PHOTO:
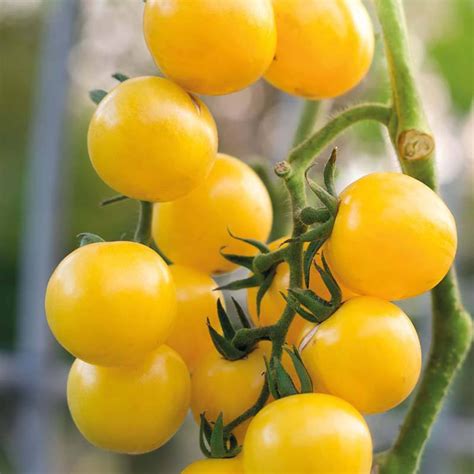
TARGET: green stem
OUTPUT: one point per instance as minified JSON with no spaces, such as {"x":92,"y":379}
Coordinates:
{"x":303,"y":154}
{"x":265,"y":261}
{"x":307,"y":121}
{"x":452,"y":331}
{"x":143,"y":230}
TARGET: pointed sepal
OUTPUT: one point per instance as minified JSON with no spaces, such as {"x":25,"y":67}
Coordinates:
{"x":308,"y":259}
{"x":97,"y":95}
{"x":120,"y":77}
{"x":86,"y":238}
{"x":213,"y":440}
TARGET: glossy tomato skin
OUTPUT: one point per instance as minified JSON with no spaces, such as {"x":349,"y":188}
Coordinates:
{"x":393,"y":237}
{"x":273,"y":304}
{"x":324,"y":48}
{"x":211,"y":47}
{"x":367,"y":353}
{"x":110,"y":303}
{"x":150,"y":140}
{"x":192,"y":230}
{"x":197,"y":301}
{"x":130,"y":410}
{"x":216,"y":466}
{"x":230,"y":387}
{"x":308,"y":434}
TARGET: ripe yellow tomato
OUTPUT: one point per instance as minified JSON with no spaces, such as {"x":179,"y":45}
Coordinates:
{"x":130,"y":409}
{"x":273,"y":304}
{"x":231,"y":387}
{"x":367,"y":353}
{"x":110,"y":303}
{"x":216,"y":466}
{"x":211,"y":47}
{"x":324,"y":48}
{"x":308,"y":434}
{"x":150,"y":140}
{"x":196,"y":303}
{"x":192,"y":230}
{"x":393,"y":237}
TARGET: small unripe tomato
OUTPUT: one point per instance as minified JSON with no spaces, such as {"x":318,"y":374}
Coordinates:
{"x":393,"y":237}
{"x":367,"y":353}
{"x":308,"y":434}
{"x":192,"y":230}
{"x":216,"y":466}
{"x":130,"y":409}
{"x":197,"y":301}
{"x":211,"y":47}
{"x":150,"y":140}
{"x":273,"y":304}
{"x":231,"y":387}
{"x":111,"y":303}
{"x":324,"y":47}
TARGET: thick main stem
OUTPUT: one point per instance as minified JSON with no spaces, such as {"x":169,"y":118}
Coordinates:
{"x":451,"y":323}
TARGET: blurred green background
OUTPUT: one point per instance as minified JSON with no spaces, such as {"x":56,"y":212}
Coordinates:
{"x":91,"y":39}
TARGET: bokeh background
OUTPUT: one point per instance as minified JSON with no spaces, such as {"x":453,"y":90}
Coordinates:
{"x":52,"y":52}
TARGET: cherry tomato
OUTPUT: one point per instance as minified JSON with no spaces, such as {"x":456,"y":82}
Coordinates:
{"x":211,"y":47}
{"x":324,"y":48}
{"x":273,"y":304}
{"x":192,"y":230}
{"x":367,"y":353}
{"x":110,"y":303}
{"x":150,"y":140}
{"x":308,"y":434}
{"x":230,"y":387}
{"x":393,"y":237}
{"x":197,"y":301}
{"x":216,"y":466}
{"x":130,"y":409}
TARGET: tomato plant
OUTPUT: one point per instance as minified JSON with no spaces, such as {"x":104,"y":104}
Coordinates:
{"x":367,"y":353}
{"x":133,"y":159}
{"x":204,"y":45}
{"x":123,"y":308}
{"x":308,"y":433}
{"x":100,"y":291}
{"x":130,"y":409}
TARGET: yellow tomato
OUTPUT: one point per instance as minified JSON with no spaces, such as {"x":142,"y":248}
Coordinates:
{"x":110,"y":303}
{"x":215,"y":466}
{"x":393,"y":237}
{"x":192,"y":230}
{"x":308,"y":434}
{"x":324,"y":47}
{"x":196,"y":303}
{"x":130,"y":409}
{"x":273,"y":304}
{"x":367,"y":353}
{"x":150,"y":140}
{"x":231,"y":387}
{"x":211,"y":47}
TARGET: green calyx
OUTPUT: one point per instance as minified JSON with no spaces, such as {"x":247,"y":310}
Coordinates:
{"x":280,"y":383}
{"x":232,"y":344}
{"x":214,"y":441}
{"x":86,"y":238}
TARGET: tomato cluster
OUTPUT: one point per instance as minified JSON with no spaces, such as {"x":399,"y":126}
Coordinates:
{"x":143,"y":330}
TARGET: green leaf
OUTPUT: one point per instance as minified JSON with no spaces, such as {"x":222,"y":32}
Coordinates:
{"x":225,"y":348}
{"x":97,"y":95}
{"x":329,"y":173}
{"x":86,"y":238}
{"x":120,"y":77}
{"x":249,"y":282}
{"x":265,"y":285}
{"x":226,"y":325}
{"x":218,"y":448}
{"x":305,"y":380}
{"x":244,"y":319}
{"x":308,"y":258}
{"x":241,"y":260}
{"x":255,"y":243}
{"x":285,"y":385}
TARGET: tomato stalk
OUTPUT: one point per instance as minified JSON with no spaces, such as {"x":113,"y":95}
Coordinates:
{"x":452,"y":327}
{"x":143,"y":230}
